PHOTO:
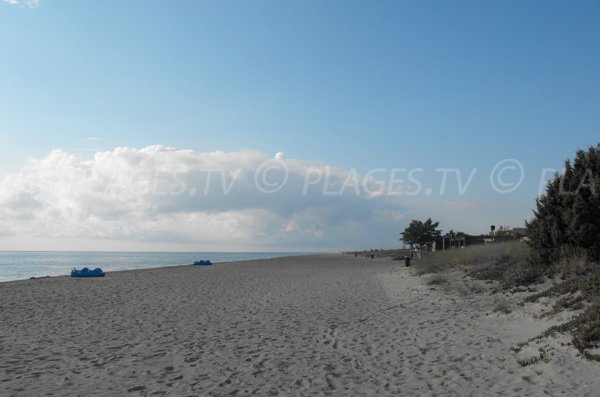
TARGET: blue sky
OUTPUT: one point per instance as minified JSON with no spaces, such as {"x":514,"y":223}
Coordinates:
{"x":354,"y":84}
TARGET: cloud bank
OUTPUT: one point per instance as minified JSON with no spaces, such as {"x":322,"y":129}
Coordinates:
{"x":164,"y":198}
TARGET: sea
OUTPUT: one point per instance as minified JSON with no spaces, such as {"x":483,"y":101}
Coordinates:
{"x":26,"y":264}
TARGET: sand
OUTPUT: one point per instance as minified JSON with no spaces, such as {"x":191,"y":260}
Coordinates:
{"x":319,"y":325}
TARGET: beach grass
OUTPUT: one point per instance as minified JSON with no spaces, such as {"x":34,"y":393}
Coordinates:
{"x":506,"y":262}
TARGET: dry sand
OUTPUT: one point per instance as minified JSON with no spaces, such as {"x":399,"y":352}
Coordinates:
{"x":320,"y":325}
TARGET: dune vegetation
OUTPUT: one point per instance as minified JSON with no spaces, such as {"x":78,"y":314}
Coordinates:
{"x":563,"y":244}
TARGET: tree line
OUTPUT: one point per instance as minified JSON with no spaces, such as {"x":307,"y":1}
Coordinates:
{"x":565,"y":221}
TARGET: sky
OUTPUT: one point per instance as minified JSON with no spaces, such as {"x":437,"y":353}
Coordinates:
{"x":266,"y":126}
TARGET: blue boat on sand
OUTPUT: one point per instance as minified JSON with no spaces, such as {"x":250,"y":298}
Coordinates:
{"x":203,"y":263}
{"x":85,"y":272}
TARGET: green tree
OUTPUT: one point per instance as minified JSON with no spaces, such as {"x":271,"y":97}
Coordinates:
{"x":567,"y":216}
{"x":420,"y":234}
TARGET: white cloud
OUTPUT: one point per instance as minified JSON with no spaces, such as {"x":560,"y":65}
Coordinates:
{"x":188,"y":199}
{"x":24,"y":3}
{"x":162,"y":198}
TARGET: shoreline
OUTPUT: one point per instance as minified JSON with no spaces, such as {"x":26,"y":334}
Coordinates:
{"x":324,"y":324}
{"x":244,"y":257}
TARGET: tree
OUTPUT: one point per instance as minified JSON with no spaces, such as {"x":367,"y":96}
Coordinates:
{"x":567,"y":216}
{"x":420,"y":234}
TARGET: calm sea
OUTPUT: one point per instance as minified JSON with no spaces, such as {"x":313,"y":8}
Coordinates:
{"x":23,"y":265}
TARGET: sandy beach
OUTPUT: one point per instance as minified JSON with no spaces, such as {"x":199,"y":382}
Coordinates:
{"x":300,"y":326}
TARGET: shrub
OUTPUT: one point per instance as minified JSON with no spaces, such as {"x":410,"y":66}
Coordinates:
{"x":567,"y":216}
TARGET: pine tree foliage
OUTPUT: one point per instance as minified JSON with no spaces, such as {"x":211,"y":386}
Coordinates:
{"x":567,"y":216}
